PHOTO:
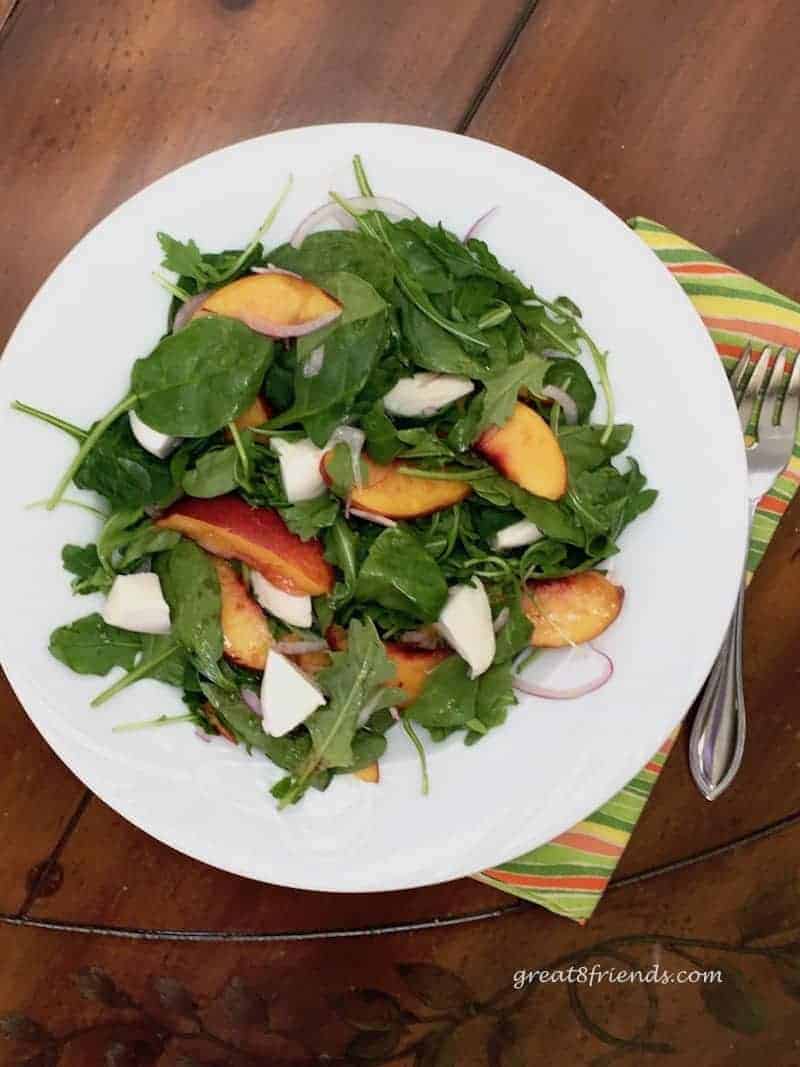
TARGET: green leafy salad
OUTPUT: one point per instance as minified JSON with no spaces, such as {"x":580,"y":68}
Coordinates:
{"x":354,"y":488}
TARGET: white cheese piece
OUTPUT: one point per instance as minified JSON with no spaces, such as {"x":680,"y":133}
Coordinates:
{"x":293,"y":610}
{"x":516,"y":535}
{"x":157,"y":444}
{"x":299,"y":462}
{"x":466,"y":624}
{"x":424,"y":394}
{"x":287,"y":696}
{"x":135,"y":602}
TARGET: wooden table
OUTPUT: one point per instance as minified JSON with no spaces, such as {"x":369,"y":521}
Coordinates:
{"x":116,"y":950}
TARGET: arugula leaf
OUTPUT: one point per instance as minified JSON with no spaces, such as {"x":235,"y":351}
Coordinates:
{"x":400,"y":574}
{"x":167,"y":663}
{"x":119,"y":469}
{"x":198,"y":380}
{"x":90,"y":646}
{"x":434,"y":348}
{"x":503,"y":388}
{"x":552,"y":517}
{"x":585,"y":449}
{"x":84,"y":563}
{"x":191,"y":588}
{"x":307,"y":518}
{"x":185,"y":258}
{"x":214,"y":474}
{"x":382,"y":441}
{"x":338,"y":250}
{"x":449,"y":697}
{"x":516,"y":634}
{"x":424,"y":444}
{"x":495,"y":696}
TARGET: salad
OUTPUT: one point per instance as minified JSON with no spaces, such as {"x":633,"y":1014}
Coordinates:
{"x":354,"y":488}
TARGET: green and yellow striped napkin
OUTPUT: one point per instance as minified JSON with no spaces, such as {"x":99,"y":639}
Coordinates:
{"x":569,"y":874}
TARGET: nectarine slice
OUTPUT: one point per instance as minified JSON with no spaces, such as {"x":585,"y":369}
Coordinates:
{"x":526,"y":451}
{"x":370,"y":773}
{"x":256,"y":415}
{"x":389,"y":492}
{"x":245,"y":634}
{"x":571,"y":610}
{"x":266,"y":301}
{"x":227,"y":526}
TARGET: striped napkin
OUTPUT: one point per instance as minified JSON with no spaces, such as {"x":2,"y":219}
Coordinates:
{"x":569,"y":874}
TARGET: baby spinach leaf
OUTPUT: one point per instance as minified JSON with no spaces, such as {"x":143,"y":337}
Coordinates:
{"x":503,"y":388}
{"x":584,"y":448}
{"x":308,"y":517}
{"x":90,"y":646}
{"x":342,"y":471}
{"x":432,"y":347}
{"x":569,"y":375}
{"x":119,"y":469}
{"x":448,"y":699}
{"x":198,"y":380}
{"x":516,"y":633}
{"x":338,"y":250}
{"x":144,"y":540}
{"x":191,"y":588}
{"x":214,"y":474}
{"x":367,"y":747}
{"x":170,"y":663}
{"x":494,"y":697}
{"x":552,"y":517}
{"x":399,"y":574}
{"x":382,"y":442}
{"x":423,"y":444}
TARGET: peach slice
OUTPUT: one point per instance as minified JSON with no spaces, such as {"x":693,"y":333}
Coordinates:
{"x":389,"y":492}
{"x":227,"y":526}
{"x":246,"y":636}
{"x":256,"y":415}
{"x":370,"y":773}
{"x":273,"y":304}
{"x":526,"y":451}
{"x":571,"y":610}
{"x":412,"y":665}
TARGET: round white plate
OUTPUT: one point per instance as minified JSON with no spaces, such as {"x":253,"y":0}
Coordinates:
{"x":553,"y":762}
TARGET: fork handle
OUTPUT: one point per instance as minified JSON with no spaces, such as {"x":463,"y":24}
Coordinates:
{"x":717,"y":739}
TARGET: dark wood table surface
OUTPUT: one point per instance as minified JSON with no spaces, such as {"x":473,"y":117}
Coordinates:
{"x":115,"y":950}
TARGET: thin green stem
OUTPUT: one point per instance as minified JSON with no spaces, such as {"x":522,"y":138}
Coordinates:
{"x":138,"y":672}
{"x":241,"y":453}
{"x":345,"y":545}
{"x":601,"y":363}
{"x":262,"y":229}
{"x":89,"y":442}
{"x":415,"y":741}
{"x":51,"y":420}
{"x":457,"y":475}
{"x":73,"y":503}
{"x":174,"y":290}
{"x":148,"y":724}
{"x":361,"y":177}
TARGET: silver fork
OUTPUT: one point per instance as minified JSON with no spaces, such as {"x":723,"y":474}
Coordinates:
{"x":716,"y":742}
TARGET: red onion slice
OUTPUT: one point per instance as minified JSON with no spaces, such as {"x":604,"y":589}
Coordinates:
{"x":501,"y":620}
{"x":420,"y":639}
{"x":313,"y":365}
{"x":371,"y":516}
{"x":575,"y":691}
{"x":272,"y":269}
{"x":478,"y":224}
{"x":284,"y":330}
{"x":332,"y":212}
{"x":187,"y":309}
{"x":251,"y":699}
{"x":297,"y":648}
{"x":201,"y":735}
{"x":562,"y":397}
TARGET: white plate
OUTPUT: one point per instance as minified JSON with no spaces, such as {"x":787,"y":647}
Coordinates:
{"x":553,"y":762}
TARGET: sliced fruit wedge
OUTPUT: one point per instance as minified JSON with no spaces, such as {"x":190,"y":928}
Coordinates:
{"x":245,"y":634}
{"x":389,"y":492}
{"x":571,"y":610}
{"x":526,"y":451}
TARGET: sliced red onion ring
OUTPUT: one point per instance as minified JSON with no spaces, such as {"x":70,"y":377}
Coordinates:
{"x":272,"y":269}
{"x":332,"y":212}
{"x":420,"y":639}
{"x":297,"y":648}
{"x":187,"y":309}
{"x":313,"y":365}
{"x":201,"y":735}
{"x":478,"y":224}
{"x":354,"y":439}
{"x":575,"y":691}
{"x":562,"y":397}
{"x":371,"y":516}
{"x":284,"y":330}
{"x":251,"y":699}
{"x":395,"y":714}
{"x":501,"y":620}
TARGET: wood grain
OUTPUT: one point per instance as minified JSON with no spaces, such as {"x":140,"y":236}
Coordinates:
{"x":298,"y":1004}
{"x":128,"y":92}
